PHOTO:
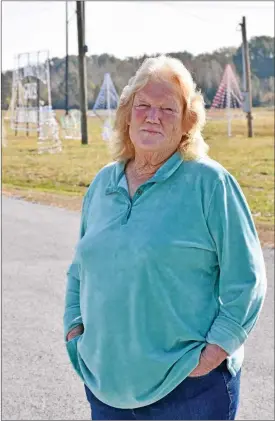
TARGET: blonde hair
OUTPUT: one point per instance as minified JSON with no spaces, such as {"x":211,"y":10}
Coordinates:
{"x":192,"y":145}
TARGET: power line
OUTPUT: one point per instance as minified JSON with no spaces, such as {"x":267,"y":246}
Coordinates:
{"x":73,"y":15}
{"x":187,"y":12}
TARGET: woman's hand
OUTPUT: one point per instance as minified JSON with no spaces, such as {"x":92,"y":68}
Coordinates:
{"x":77,"y":330}
{"x":211,"y":357}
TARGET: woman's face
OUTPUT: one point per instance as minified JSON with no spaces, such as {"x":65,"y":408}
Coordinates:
{"x":156,"y":118}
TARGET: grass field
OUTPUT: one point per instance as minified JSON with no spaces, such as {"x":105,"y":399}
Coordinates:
{"x":61,"y":179}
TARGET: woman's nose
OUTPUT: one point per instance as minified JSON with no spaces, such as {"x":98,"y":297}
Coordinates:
{"x":153,"y":114}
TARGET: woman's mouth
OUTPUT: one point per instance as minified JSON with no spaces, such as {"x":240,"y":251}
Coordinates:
{"x":151,"y":131}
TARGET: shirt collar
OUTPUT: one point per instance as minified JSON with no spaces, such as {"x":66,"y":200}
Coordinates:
{"x":162,"y":174}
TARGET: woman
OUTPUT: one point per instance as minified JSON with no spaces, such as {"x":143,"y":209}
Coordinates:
{"x":168,"y":277}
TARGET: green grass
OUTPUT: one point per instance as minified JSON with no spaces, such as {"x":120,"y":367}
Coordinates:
{"x":250,"y":160}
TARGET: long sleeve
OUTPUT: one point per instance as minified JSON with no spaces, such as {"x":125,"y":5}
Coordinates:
{"x":72,"y":315}
{"x":242,"y":275}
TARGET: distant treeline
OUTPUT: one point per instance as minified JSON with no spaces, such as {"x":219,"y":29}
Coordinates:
{"x":207,"y":70}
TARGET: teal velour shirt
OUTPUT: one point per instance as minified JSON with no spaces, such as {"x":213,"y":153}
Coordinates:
{"x":156,"y":278}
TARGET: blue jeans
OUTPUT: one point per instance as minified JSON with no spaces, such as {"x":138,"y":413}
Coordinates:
{"x":214,"y":396}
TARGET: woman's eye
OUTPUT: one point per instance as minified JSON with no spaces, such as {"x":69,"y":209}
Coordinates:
{"x":142,"y":106}
{"x":167,"y":110}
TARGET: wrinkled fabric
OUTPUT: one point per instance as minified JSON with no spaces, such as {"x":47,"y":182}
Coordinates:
{"x":214,"y":396}
{"x":156,"y":278}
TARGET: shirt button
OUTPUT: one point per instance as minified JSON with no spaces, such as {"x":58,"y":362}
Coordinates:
{"x":139,"y":191}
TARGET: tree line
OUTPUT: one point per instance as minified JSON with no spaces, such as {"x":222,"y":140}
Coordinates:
{"x":207,"y":70}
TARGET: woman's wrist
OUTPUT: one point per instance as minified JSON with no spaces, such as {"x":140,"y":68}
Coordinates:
{"x":213,"y":355}
{"x":77,"y":330}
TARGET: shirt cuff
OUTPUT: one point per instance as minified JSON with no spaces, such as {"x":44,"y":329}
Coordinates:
{"x":226,"y":333}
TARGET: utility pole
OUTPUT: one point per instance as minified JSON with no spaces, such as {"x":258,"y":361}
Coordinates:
{"x":67,"y":65}
{"x":82,"y":50}
{"x":247,"y":79}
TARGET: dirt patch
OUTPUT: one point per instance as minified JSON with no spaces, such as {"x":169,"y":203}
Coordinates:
{"x":266,"y":234}
{"x":265,"y":231}
{"x":68,"y":202}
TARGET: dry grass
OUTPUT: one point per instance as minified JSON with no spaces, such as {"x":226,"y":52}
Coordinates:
{"x":61,"y":179}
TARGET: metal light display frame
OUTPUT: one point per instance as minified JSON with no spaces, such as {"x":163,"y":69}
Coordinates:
{"x":71,"y":125}
{"x":31,"y":102}
{"x":49,"y":140}
{"x":105,"y":106}
{"x":30,"y":90}
{"x":3,"y":136}
{"x":228,"y":97}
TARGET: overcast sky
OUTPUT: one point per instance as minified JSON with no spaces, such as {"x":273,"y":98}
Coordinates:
{"x":131,"y":28}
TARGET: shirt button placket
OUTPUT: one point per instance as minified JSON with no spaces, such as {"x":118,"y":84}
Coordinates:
{"x":127,"y":215}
